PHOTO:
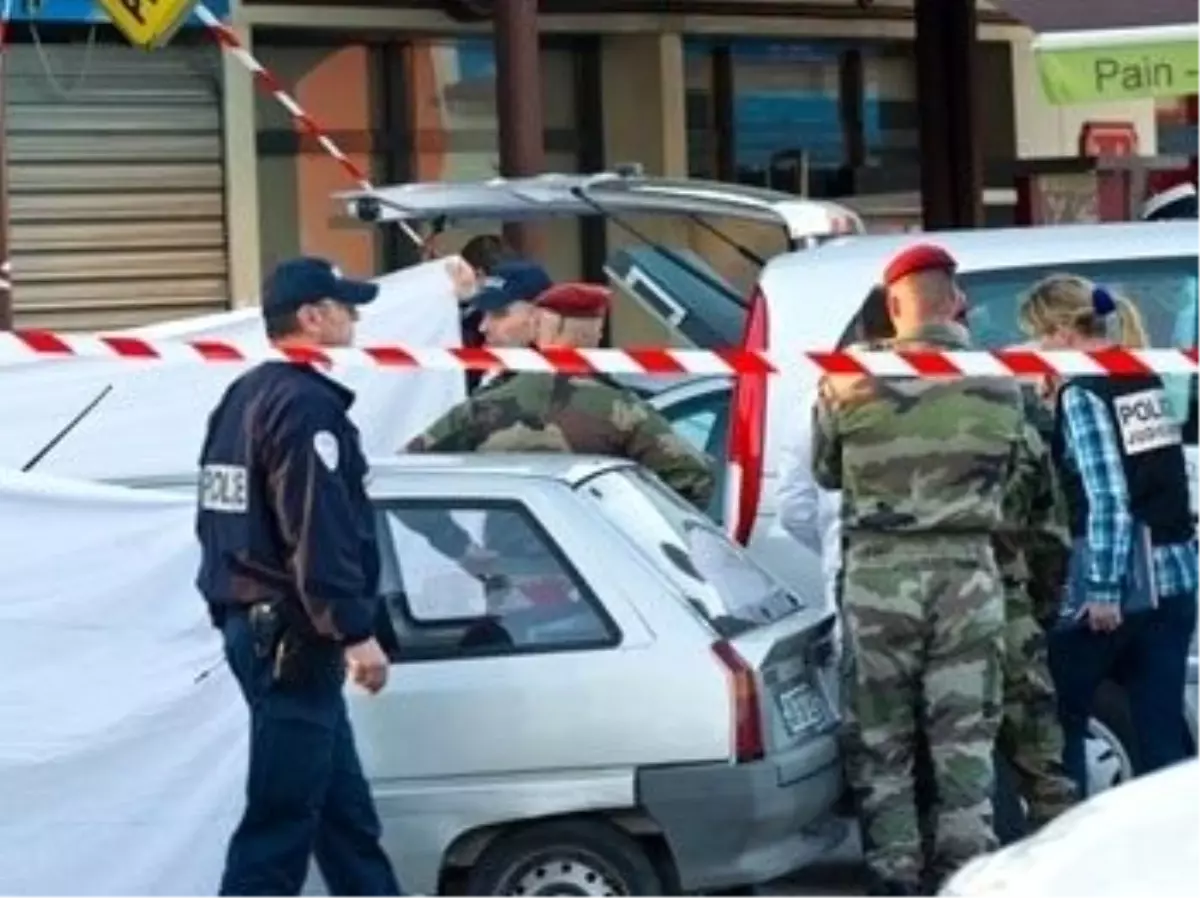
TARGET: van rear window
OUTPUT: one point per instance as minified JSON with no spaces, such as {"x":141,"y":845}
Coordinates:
{"x":721,"y":581}
{"x":1164,"y":291}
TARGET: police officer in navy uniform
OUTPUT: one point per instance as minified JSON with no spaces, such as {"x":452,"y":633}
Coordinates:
{"x":1118,"y":446}
{"x":289,"y":569}
{"x":505,"y":305}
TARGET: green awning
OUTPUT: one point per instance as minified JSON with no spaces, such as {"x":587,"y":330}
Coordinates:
{"x":1125,"y":64}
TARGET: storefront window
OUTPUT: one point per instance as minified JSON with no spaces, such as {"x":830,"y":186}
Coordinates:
{"x":452,"y":98}
{"x":786,"y":122}
{"x":1175,"y":118}
{"x":890,"y":112}
{"x":785,"y":112}
{"x":701,"y":123}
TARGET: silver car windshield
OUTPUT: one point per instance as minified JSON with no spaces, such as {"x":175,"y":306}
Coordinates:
{"x":731,"y":591}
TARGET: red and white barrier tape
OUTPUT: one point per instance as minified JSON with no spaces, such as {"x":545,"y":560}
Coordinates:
{"x":31,"y":345}
{"x":232,"y":44}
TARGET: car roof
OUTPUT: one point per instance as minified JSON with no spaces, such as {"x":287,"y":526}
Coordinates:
{"x":999,"y":248}
{"x":812,"y":295}
{"x":562,"y":467}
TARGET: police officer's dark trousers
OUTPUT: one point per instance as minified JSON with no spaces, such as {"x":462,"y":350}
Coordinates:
{"x":1147,"y":655}
{"x":305,"y":794}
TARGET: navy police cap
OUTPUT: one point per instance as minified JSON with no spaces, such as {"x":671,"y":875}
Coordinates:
{"x":307,"y":280}
{"x":510,"y":282}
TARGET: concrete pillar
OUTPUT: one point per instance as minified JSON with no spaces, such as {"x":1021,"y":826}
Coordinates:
{"x":644,"y":102}
{"x":241,"y":174}
{"x":951,"y":170}
{"x":519,"y":101}
{"x":645,"y":122}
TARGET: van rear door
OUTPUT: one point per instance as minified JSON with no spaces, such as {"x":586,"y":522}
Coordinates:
{"x":676,"y":287}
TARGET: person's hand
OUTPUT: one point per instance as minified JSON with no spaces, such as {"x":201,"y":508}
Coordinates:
{"x":367,"y":665}
{"x":481,"y":563}
{"x":463,"y":278}
{"x":1102,"y":617}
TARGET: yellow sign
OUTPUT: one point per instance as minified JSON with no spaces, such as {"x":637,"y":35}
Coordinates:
{"x":148,"y":23}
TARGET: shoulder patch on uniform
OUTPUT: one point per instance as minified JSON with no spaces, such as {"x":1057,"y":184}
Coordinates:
{"x":223,"y":489}
{"x":1146,"y":422}
{"x":325,"y":444}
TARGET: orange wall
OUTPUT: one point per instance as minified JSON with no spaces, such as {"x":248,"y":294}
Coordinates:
{"x":336,"y":93}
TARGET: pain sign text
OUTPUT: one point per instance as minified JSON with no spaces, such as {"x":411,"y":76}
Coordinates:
{"x":1119,"y":72}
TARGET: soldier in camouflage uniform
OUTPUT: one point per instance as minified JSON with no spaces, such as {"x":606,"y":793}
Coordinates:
{"x":536,"y":412}
{"x":922,"y":466}
{"x":586,"y":414}
{"x":1031,"y":738}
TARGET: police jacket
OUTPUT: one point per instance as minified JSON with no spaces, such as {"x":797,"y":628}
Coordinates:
{"x":282,"y":508}
{"x":1150,"y":442}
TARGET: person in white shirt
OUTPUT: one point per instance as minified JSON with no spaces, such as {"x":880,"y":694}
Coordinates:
{"x":808,"y":513}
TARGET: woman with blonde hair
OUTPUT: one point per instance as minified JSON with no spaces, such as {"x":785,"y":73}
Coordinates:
{"x":1130,"y":607}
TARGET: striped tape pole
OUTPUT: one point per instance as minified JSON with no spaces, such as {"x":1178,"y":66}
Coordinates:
{"x":23,"y":346}
{"x":232,"y":44}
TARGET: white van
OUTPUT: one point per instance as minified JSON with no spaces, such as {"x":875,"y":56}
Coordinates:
{"x":808,"y":298}
{"x":810,"y":301}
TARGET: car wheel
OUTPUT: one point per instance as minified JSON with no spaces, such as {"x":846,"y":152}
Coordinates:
{"x":576,"y":857}
{"x":1110,"y":746}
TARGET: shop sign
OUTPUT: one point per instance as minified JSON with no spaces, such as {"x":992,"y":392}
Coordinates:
{"x":148,"y":24}
{"x":1108,"y":139}
{"x":1111,"y":69}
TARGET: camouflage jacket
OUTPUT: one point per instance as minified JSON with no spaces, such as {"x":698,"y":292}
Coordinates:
{"x":534,"y":412}
{"x":914,"y":455}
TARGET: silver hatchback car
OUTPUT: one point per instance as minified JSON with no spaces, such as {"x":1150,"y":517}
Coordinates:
{"x":608,"y":697}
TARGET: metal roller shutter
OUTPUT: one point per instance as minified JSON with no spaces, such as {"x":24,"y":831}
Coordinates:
{"x":116,"y":180}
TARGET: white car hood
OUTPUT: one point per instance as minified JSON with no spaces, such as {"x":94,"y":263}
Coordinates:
{"x":1140,"y":838}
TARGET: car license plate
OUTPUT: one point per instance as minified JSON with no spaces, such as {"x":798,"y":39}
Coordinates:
{"x":803,"y":709}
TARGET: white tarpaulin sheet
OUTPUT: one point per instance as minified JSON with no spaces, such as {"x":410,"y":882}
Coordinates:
{"x":123,"y":735}
{"x":152,"y":421}
{"x":121,"y":766}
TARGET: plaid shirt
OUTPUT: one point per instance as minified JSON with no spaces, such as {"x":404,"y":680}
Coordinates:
{"x":1093,"y":449}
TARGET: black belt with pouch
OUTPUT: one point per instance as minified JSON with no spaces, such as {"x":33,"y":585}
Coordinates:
{"x":297,"y":654}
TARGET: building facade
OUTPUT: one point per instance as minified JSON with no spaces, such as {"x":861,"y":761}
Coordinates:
{"x":115,"y":172}
{"x":148,"y":186}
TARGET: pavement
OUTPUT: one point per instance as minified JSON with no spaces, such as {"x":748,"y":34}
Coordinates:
{"x":823,"y":879}
{"x":840,"y":872}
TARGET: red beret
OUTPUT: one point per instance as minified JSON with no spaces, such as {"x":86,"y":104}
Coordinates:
{"x":922,"y":257}
{"x":575,"y":300}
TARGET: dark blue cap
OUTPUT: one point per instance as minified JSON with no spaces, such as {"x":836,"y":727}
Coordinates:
{"x":510,"y":282}
{"x":300,"y":282}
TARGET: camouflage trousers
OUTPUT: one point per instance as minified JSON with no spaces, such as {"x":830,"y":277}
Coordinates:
{"x":924,"y":627}
{"x":1031,"y":737}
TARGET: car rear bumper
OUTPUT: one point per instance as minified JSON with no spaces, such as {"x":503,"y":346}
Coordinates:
{"x":735,"y":825}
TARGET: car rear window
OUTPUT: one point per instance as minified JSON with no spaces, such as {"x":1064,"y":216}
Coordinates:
{"x":723,"y":584}
{"x":1163,"y":289}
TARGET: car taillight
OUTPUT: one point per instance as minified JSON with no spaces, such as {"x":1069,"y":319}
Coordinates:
{"x":747,"y":432}
{"x":743,"y":696}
